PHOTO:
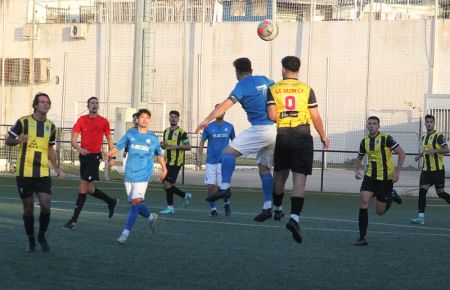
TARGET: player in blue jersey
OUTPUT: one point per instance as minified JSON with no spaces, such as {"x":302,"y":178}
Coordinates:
{"x":251,"y":92}
{"x":218,"y":134}
{"x":142,"y":145}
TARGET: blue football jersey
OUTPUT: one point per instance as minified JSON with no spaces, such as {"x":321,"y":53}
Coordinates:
{"x":251,"y":92}
{"x":218,"y":137}
{"x":142,"y":147}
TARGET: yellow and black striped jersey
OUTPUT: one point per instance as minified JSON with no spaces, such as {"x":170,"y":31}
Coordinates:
{"x":379,"y":151}
{"x":292,"y":99}
{"x":175,"y":137}
{"x":433,"y":162}
{"x":32,"y":158}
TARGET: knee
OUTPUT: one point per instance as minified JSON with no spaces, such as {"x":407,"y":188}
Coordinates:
{"x":423,"y":192}
{"x":263,"y":169}
{"x":28,"y":210}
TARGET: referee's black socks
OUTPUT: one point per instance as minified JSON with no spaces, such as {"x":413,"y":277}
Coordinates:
{"x":101,"y":195}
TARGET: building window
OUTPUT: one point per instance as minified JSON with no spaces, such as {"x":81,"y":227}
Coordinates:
{"x":56,"y":15}
{"x":17,"y":71}
{"x":260,"y":7}
{"x":238,"y":8}
{"x":87,"y":14}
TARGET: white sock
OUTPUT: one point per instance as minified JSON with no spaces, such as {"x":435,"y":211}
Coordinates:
{"x":151,"y":217}
{"x":224,"y":186}
{"x":267,"y":204}
{"x":295,"y":217}
{"x":421,"y":214}
{"x":125,"y":232}
{"x":278,"y":208}
{"x":170,"y":206}
{"x":213,"y":208}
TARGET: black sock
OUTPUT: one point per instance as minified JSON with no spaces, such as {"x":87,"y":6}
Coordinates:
{"x":169,"y":195}
{"x":296,"y":205}
{"x":78,"y":206}
{"x":28,"y":222}
{"x":44,"y":220}
{"x":388,"y":204}
{"x":101,"y":195}
{"x":363,"y":221}
{"x":178,"y":192}
{"x":445,"y":196}
{"x":277,"y":199}
{"x":422,"y":200}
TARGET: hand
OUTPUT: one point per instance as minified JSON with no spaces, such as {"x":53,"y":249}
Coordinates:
{"x":417,"y":158}
{"x":83,"y":151}
{"x":325,"y":142}
{"x":431,"y":151}
{"x":125,"y":153}
{"x":59,"y":173}
{"x":22,"y":138}
{"x":163,"y":175}
{"x":396,"y":176}
{"x":163,"y":145}
{"x":111,"y":162}
{"x":201,"y":126}
{"x":358,"y":175}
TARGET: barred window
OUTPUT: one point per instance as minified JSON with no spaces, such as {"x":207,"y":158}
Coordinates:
{"x":17,"y":71}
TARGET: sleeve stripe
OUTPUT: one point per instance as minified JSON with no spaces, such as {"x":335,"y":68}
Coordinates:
{"x":313,"y":105}
{"x":395,"y":145}
{"x":361,"y":154}
{"x":12,"y":133}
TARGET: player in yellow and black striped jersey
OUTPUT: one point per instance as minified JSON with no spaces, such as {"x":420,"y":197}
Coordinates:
{"x":434,"y":146}
{"x":380,"y":174}
{"x":293,"y":105}
{"x":35,"y":135}
{"x":175,"y":142}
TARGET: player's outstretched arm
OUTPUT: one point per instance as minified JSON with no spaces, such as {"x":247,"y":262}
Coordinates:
{"x":219,"y":110}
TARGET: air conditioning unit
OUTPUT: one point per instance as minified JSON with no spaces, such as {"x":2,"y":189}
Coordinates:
{"x":27,"y":31}
{"x":79,"y":31}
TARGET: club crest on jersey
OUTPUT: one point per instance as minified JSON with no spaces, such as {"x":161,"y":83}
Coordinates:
{"x":148,"y":141}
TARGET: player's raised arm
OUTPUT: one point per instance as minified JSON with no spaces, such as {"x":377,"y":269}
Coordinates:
{"x":219,"y":110}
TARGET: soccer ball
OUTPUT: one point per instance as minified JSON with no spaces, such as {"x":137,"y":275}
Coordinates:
{"x":267,"y":30}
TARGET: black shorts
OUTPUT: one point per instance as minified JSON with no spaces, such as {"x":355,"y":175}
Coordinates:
{"x":29,"y":185}
{"x":294,"y":150}
{"x":89,"y":166}
{"x":172,"y":173}
{"x":436,"y":178}
{"x":381,"y":189}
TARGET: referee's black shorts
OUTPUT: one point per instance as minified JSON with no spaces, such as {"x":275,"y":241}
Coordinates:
{"x":436,"y":178}
{"x":89,"y":164}
{"x":294,"y":150}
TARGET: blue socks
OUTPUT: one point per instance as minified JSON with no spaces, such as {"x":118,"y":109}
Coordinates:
{"x":132,"y":217}
{"x":228,"y":166}
{"x":267,"y":187}
{"x":143,"y":210}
